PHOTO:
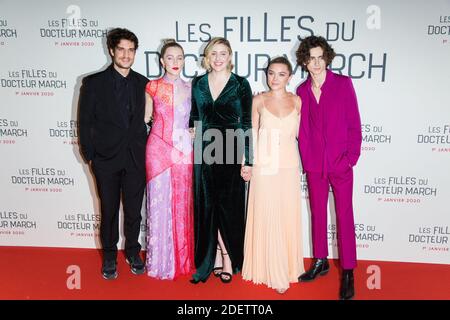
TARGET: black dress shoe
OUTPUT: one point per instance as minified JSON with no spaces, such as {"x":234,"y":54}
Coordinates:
{"x":347,"y":291}
{"x":320,"y":266}
{"x":137,"y":266}
{"x":109,"y":269}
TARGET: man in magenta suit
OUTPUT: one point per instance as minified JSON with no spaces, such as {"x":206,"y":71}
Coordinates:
{"x":330,"y":143}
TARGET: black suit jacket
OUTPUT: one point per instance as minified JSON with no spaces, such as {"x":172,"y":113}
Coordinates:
{"x":104,"y":135}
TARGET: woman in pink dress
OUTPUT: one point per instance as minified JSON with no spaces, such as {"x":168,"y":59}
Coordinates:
{"x":169,"y":170}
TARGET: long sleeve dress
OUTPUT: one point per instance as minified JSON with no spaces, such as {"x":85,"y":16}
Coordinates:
{"x":223,"y":140}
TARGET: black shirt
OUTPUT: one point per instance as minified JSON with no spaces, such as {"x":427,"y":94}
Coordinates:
{"x":123,"y":88}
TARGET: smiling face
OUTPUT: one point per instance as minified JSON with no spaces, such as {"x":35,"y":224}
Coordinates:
{"x":123,"y":54}
{"x":316,"y":64}
{"x":173,"y":61}
{"x":278,"y":76}
{"x":219,"y":57}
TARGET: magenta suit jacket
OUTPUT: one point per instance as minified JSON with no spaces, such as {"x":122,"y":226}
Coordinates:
{"x":330,"y":132}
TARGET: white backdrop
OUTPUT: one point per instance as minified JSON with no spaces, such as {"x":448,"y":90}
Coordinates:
{"x":397,"y":54}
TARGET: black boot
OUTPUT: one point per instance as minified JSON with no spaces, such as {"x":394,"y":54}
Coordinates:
{"x":320,"y":266}
{"x":347,"y":285}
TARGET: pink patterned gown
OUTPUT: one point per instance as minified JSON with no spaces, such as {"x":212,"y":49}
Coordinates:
{"x":169,"y":181}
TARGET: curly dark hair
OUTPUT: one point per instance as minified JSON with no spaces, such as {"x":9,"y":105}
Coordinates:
{"x":115,"y":35}
{"x":310,"y":42}
{"x":282,"y":60}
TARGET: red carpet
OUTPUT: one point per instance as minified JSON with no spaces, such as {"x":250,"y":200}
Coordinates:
{"x":41,"y":273}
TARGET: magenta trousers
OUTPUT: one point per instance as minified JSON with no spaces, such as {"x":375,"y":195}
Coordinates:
{"x":342,"y":186}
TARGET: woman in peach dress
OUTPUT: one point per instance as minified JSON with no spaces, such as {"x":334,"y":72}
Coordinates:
{"x":273,"y":252}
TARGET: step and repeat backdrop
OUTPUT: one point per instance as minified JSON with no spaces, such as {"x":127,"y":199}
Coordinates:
{"x":397,"y":52}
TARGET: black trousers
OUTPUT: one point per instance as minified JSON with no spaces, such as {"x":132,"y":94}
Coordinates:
{"x":130,"y":185}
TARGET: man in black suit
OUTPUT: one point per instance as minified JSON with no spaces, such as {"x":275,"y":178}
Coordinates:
{"x":113,"y":136}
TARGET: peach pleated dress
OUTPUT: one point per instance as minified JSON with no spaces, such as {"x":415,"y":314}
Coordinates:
{"x":273,"y":248}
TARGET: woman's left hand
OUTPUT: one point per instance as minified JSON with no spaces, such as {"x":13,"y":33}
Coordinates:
{"x":246,"y":173}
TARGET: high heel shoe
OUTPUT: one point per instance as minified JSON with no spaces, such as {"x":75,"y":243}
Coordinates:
{"x":228,"y":277}
{"x":225,"y":277}
{"x":219,"y":269}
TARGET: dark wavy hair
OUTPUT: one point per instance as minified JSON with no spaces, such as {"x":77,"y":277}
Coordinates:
{"x":281,"y":60}
{"x":115,"y":35}
{"x":307,"y":44}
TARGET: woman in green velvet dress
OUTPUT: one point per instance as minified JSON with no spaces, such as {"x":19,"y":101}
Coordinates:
{"x":221,"y":116}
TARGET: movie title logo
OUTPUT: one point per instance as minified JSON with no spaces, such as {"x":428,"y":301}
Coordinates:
{"x":73,"y":30}
{"x":365,"y":235}
{"x":67,"y":131}
{"x":80,"y":224}
{"x":33,"y":82}
{"x":6,"y":32}
{"x":276,"y":29}
{"x":431,"y":238}
{"x":10,"y":130}
{"x":401,"y":189}
{"x":436,"y":136}
{"x":440,"y":28}
{"x":15,"y":223}
{"x":373,"y":135}
{"x":43,"y":179}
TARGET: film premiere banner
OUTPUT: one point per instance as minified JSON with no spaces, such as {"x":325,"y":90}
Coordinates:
{"x":402,"y":184}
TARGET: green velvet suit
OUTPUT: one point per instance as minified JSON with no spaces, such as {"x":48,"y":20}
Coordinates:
{"x":219,"y":190}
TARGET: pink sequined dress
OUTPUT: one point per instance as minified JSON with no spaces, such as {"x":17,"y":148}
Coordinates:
{"x":169,"y":181}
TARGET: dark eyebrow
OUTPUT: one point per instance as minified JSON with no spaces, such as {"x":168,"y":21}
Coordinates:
{"x":119,"y":47}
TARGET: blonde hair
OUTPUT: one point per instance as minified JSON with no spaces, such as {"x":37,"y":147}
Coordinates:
{"x":208,"y":48}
